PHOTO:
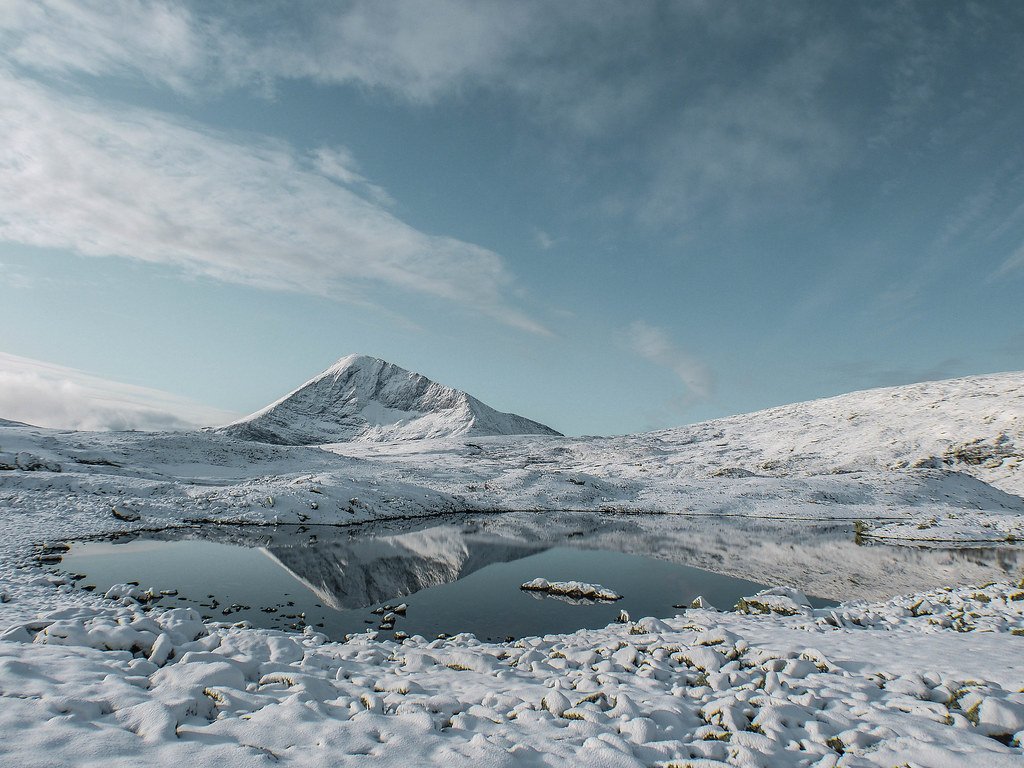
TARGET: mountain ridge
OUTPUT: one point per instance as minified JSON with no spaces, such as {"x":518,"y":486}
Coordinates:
{"x":366,"y":399}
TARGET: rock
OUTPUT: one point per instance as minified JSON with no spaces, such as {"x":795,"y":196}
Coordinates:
{"x":555,"y":702}
{"x":782,"y":600}
{"x":651,"y":625}
{"x":999,"y":717}
{"x":161,"y":649}
{"x":574,"y":589}
{"x":126,"y":513}
{"x":29,"y":462}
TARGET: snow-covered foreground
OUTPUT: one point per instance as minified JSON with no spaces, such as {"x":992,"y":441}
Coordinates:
{"x":927,"y":681}
{"x":930,"y":680}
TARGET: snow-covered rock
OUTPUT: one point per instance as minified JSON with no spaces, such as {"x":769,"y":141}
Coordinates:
{"x":574,"y":589}
{"x":782,"y":600}
{"x":365,"y":398}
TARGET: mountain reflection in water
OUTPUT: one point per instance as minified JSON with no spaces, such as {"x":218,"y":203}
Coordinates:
{"x":464,"y":575}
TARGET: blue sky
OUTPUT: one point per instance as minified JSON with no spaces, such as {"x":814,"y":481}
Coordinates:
{"x":609,"y":217}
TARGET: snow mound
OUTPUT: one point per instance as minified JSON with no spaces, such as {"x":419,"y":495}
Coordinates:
{"x":362,"y":398}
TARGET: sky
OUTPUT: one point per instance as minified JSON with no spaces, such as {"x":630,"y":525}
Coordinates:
{"x":606,"y":216}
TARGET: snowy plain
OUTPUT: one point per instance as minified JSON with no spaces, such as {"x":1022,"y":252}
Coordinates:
{"x":927,"y":679}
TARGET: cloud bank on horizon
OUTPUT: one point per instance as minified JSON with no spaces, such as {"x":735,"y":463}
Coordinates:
{"x":48,"y":395}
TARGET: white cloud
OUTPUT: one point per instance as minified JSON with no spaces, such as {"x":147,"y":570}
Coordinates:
{"x":710,"y":137}
{"x":162,"y":41}
{"x":655,"y":345}
{"x":338,"y":163}
{"x":49,"y":395}
{"x":136,"y":184}
{"x":731,"y":111}
{"x":419,"y":50}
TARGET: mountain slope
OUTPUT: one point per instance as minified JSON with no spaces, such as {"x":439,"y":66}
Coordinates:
{"x":362,"y":398}
{"x":973,"y":424}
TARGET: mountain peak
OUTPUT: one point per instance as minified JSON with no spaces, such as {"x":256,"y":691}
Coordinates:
{"x":364,"y":398}
{"x":353,"y":360}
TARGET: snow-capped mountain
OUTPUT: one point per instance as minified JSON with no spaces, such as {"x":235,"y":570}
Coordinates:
{"x":362,"y":398}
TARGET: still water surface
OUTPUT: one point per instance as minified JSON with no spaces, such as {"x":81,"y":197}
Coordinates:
{"x":451,"y":582}
{"x":464,"y":575}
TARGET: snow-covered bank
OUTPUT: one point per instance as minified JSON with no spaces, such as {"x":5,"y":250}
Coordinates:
{"x":121,"y":686}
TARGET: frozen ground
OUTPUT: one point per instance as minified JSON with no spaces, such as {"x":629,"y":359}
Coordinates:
{"x":929,"y":680}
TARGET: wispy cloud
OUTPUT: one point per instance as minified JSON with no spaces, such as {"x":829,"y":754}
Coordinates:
{"x":724,"y":137}
{"x":137,"y":184}
{"x":763,"y":148}
{"x":339,"y":164}
{"x":161,"y":41}
{"x":544,"y":241}
{"x":49,"y":395}
{"x":1013,"y":263}
{"x":655,"y":344}
{"x":417,"y":50}
{"x":734,"y":112}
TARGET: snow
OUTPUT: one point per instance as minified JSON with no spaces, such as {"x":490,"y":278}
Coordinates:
{"x":128,"y":685}
{"x":928,"y":678}
{"x":365,"y":398}
{"x":783,"y":600}
{"x":574,"y":589}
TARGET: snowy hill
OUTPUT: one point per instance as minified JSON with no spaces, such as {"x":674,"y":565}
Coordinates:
{"x":362,"y":398}
{"x":973,"y":424}
{"x":944,"y":460}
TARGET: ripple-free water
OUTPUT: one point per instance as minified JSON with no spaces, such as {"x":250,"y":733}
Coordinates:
{"x":451,"y":582}
{"x":465,"y":577}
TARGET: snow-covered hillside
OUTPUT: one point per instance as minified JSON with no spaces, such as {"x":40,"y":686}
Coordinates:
{"x":945,"y":449}
{"x":941,"y":461}
{"x":973,"y":424}
{"x":362,"y":398}
{"x":929,"y":679}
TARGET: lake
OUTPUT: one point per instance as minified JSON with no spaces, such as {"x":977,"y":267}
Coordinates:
{"x":463,"y":574}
